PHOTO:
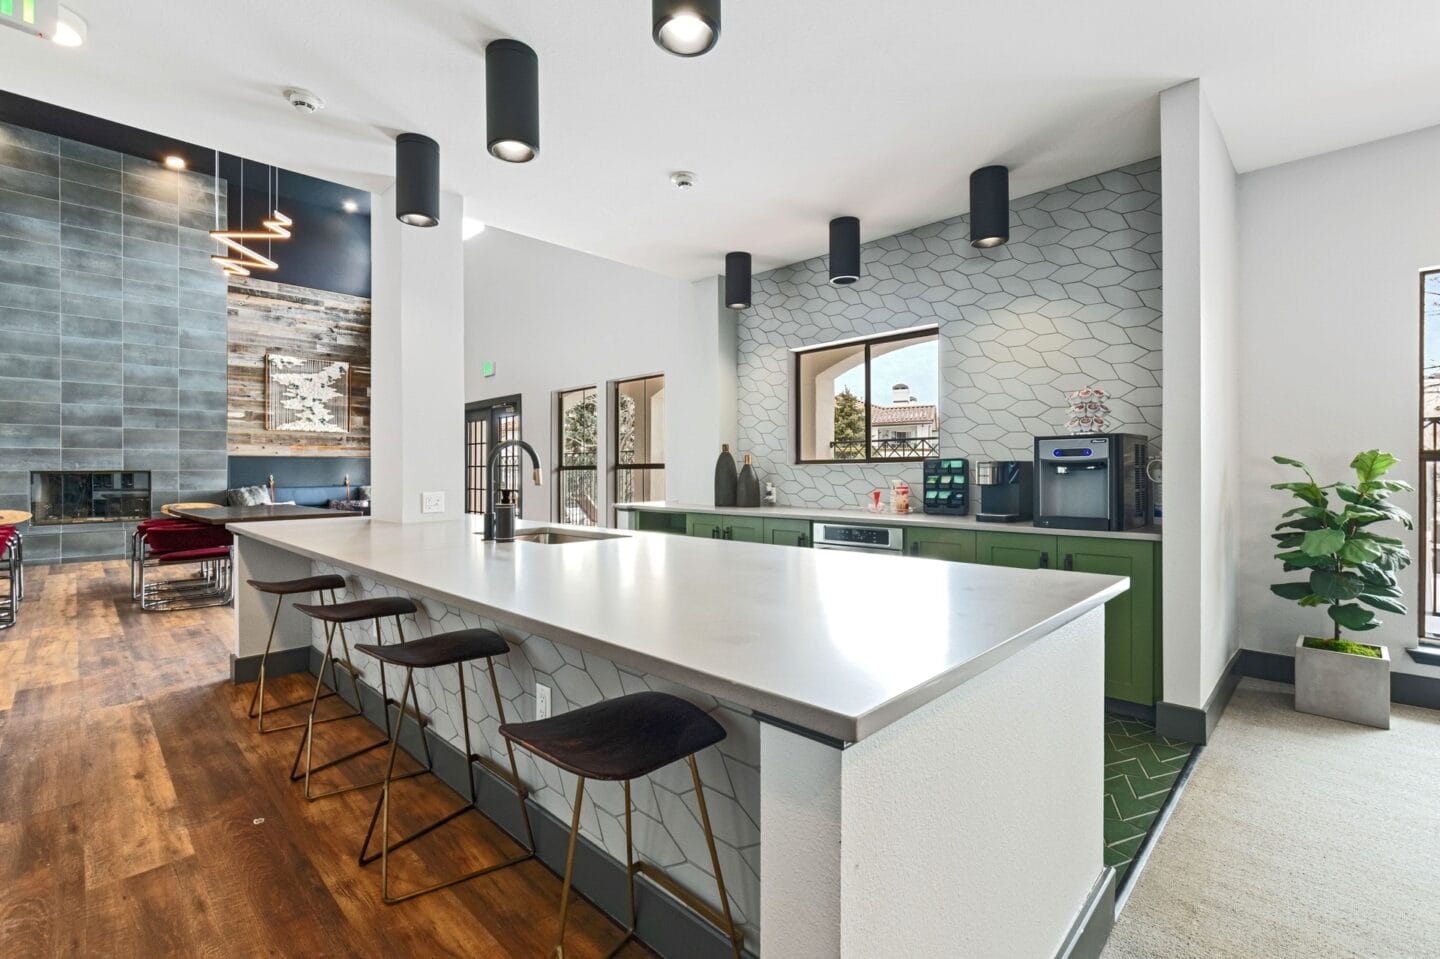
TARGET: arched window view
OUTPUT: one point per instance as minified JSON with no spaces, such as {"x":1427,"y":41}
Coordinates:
{"x":875,"y":399}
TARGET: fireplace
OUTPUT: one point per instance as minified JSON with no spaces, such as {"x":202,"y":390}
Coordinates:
{"x":59,"y":497}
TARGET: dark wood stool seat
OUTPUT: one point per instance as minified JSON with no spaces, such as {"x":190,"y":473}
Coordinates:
{"x":622,"y":738}
{"x":318,"y":585}
{"x":335,"y":615}
{"x":455,"y":648}
{"x":442,"y":649}
{"x":358,"y":609}
{"x":307,"y":584}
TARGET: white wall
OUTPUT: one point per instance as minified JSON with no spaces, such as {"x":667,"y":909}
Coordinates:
{"x":417,"y":428}
{"x":1330,"y":249}
{"x":1202,"y":462}
{"x":553,"y":318}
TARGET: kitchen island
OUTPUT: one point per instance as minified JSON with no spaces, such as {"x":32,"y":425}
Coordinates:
{"x":875,"y":711}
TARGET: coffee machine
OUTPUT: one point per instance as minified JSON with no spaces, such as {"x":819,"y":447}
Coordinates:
{"x":1006,"y":491}
{"x":1092,"y":481}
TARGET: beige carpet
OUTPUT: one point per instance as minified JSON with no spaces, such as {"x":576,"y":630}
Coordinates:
{"x":1296,"y":837}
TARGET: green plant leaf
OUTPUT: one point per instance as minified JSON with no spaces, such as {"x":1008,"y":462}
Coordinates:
{"x":1313,"y":600}
{"x":1322,"y":542}
{"x":1294,"y":559}
{"x":1291,"y":591}
{"x":1374,"y":575}
{"x":1336,"y":587}
{"x":1358,"y":550}
{"x":1287,"y":540}
{"x":1372,"y":464}
{"x":1353,"y":616}
{"x":1309,"y":492}
{"x":1383,"y":602}
{"x":1348,"y":493}
{"x":1300,"y":524}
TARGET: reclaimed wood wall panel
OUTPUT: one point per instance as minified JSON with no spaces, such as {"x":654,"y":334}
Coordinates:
{"x":269,"y":317}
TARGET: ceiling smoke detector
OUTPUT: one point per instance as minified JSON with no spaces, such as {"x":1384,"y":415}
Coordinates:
{"x":304,"y":100}
{"x":683,"y":179}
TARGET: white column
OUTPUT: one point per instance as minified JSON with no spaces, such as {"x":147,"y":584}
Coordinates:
{"x":417,"y":389}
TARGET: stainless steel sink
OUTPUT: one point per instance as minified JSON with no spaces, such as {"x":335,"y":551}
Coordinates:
{"x":558,"y":536}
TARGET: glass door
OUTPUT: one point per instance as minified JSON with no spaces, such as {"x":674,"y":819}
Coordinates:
{"x":488,"y":423}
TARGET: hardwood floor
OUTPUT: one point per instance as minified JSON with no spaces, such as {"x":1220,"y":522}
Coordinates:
{"x":142,"y":815}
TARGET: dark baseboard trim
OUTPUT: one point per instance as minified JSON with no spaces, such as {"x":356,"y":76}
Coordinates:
{"x":1408,"y":689}
{"x":665,"y":925}
{"x":246,"y":669}
{"x":1121,"y":707}
{"x":1192,"y":725}
{"x":1091,"y":929}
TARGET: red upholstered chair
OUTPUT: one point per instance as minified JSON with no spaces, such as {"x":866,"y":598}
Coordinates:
{"x":10,"y":559}
{"x":205,"y":550}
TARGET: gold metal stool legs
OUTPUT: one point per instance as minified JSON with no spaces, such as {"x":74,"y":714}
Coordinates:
{"x":381,"y":813}
{"x":721,"y":918}
{"x":257,"y":701}
{"x":307,"y":743}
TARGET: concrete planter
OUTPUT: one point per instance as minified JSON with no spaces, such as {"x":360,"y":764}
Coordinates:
{"x":1343,"y":685}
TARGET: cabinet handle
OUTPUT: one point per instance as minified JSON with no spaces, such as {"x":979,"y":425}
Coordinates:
{"x":914,"y":549}
{"x":729,"y":532}
{"x":1045,"y":560}
{"x":1069,"y":561}
{"x":803,"y":540}
{"x":715,"y":533}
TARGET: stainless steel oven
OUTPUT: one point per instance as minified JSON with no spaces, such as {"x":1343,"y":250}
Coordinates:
{"x":854,"y":538}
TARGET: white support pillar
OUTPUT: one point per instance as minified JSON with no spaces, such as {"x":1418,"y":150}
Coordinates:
{"x":417,"y":393}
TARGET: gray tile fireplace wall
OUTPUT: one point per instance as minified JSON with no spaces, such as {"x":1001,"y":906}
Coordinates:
{"x":112,"y":329}
{"x":1073,"y":300}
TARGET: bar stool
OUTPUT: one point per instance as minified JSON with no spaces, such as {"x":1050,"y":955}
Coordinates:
{"x":443,"y":649}
{"x":338,"y":614}
{"x":623,"y":738}
{"x":300,"y":587}
{"x":10,"y":558}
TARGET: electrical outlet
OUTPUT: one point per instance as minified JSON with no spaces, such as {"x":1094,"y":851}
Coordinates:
{"x":432,"y":502}
{"x":542,"y":701}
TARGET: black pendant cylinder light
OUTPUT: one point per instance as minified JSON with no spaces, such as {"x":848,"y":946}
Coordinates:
{"x":844,"y":250}
{"x":686,"y":28}
{"x":417,"y":180}
{"x":737,"y":281}
{"x":989,"y":206}
{"x":512,"y":101}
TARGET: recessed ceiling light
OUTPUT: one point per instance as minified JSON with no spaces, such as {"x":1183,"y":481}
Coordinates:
{"x":471,"y":228}
{"x":350,"y":206}
{"x":683,"y":179}
{"x":70,"y":28}
{"x":175,"y":162}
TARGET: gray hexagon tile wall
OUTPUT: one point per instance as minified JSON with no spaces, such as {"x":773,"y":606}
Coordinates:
{"x":1073,"y":300}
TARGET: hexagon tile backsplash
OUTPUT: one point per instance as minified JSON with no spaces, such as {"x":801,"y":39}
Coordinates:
{"x":1073,"y":300}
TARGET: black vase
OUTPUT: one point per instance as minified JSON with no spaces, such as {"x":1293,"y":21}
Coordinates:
{"x":747,"y":485}
{"x":725,"y":477}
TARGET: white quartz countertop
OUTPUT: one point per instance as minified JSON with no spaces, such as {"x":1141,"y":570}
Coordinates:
{"x":865,"y":517}
{"x":835,"y":642}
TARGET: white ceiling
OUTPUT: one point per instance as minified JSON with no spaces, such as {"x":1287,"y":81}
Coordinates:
{"x":805,"y":110}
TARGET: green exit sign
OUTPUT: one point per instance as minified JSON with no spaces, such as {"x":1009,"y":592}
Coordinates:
{"x":487,"y":368}
{"x":35,"y":17}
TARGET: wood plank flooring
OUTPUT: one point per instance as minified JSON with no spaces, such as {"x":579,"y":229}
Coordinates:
{"x":141,"y":814}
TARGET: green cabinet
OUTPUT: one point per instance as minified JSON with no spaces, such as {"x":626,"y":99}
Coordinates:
{"x":1018,"y":550}
{"x":1132,"y":631}
{"x":787,"y":532}
{"x":744,"y":529}
{"x":956,"y":545}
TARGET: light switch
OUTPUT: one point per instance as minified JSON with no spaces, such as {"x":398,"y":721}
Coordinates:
{"x":432,"y":502}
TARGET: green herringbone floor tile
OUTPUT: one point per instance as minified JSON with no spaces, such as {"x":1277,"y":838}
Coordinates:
{"x":1140,"y":771}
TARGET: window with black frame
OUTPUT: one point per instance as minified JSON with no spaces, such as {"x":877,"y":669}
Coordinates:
{"x":578,"y":490}
{"x":869,"y":400}
{"x":640,"y":439}
{"x":1430,"y":454}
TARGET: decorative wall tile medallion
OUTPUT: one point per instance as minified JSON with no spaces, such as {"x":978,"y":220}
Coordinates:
{"x":306,"y":396}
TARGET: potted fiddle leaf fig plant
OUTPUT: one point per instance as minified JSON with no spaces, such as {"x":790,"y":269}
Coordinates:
{"x":1350,"y":569}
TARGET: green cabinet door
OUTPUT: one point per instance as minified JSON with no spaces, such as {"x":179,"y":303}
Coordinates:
{"x":1132,"y":653}
{"x":744,"y":529}
{"x":787,"y":532}
{"x":652,"y":521}
{"x":956,"y":545}
{"x":705,"y":524}
{"x":1019,"y":550}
